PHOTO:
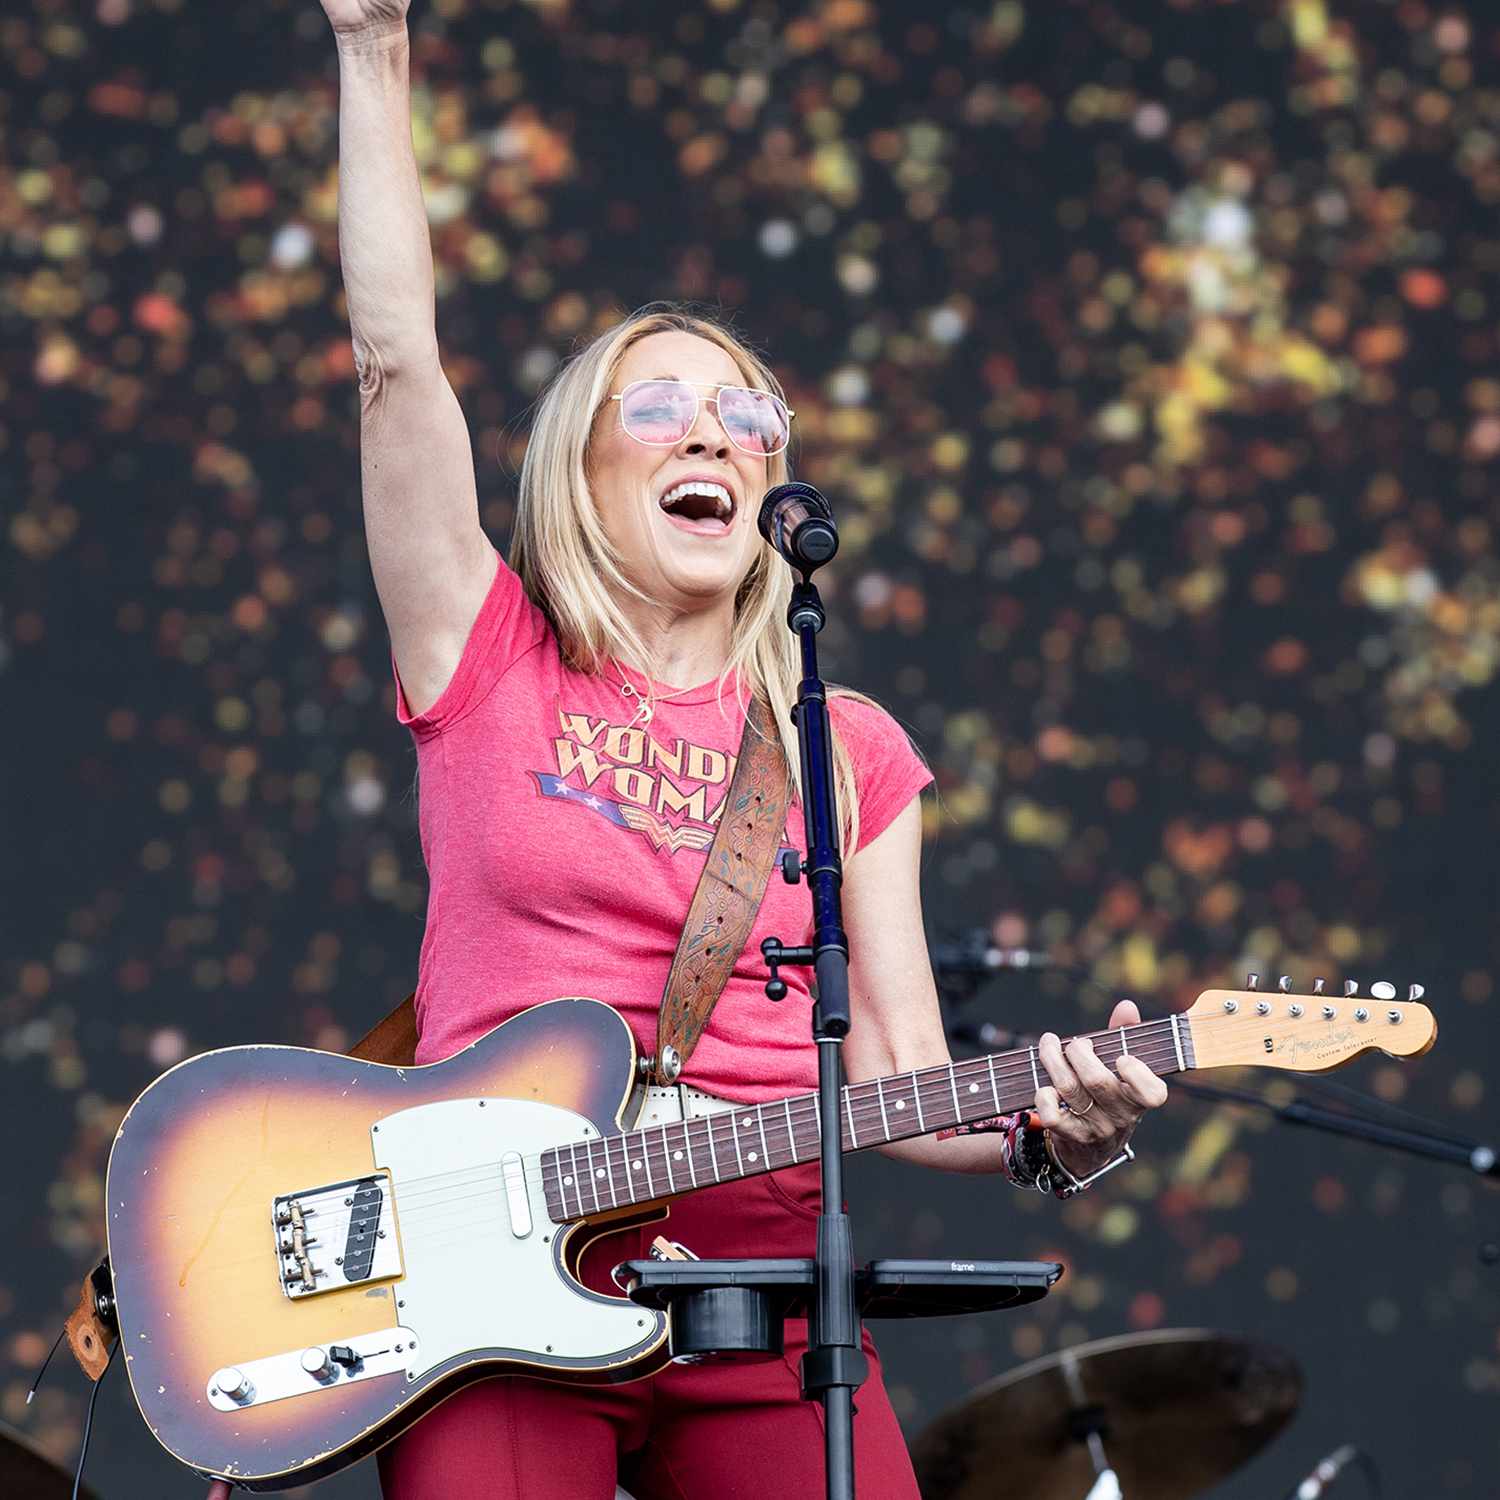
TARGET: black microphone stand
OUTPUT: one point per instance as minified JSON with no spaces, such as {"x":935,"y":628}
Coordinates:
{"x":834,"y":1365}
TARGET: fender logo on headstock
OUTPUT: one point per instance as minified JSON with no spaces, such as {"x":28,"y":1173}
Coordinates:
{"x":1321,"y":1044}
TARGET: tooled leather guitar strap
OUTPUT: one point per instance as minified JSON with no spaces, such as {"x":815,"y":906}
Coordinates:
{"x":751,"y":821}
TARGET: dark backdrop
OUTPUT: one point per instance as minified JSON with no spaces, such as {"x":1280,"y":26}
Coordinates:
{"x":1148,"y":352}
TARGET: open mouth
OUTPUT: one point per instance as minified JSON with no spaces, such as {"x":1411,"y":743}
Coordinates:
{"x":700,"y":506}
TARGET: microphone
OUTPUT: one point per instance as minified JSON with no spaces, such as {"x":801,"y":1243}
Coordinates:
{"x":978,"y":956}
{"x":798,"y":522}
{"x":1326,"y":1472}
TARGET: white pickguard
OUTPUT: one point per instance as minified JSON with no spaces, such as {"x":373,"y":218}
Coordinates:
{"x":470,"y":1283}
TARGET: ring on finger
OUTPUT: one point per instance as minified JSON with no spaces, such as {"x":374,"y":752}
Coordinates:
{"x":1082,"y":1112}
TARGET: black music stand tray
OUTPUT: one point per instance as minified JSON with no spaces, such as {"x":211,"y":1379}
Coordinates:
{"x":735,"y":1310}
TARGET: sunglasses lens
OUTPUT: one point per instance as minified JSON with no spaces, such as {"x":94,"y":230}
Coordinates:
{"x":755,"y":420}
{"x":658,"y":411}
{"x":662,"y":412}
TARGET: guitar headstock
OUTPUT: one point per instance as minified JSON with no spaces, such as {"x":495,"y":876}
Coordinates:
{"x":1307,"y":1033}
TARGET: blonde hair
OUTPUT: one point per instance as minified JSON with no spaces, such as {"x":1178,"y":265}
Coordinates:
{"x":571,"y":571}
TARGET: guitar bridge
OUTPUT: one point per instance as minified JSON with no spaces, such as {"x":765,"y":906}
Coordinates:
{"x":332,"y":1237}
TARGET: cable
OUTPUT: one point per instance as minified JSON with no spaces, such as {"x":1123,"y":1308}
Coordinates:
{"x":88,"y":1421}
{"x":37,"y":1379}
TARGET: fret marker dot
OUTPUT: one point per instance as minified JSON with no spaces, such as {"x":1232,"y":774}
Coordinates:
{"x":745,"y":1124}
{"x":567,"y":1182}
{"x":599,"y":1172}
{"x":901,"y":1104}
{"x":752,"y":1156}
{"x":635,"y":1166}
{"x":973,"y":1088}
{"x":677,"y":1156}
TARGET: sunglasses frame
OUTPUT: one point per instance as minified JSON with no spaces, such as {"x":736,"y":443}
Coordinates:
{"x":693,"y":385}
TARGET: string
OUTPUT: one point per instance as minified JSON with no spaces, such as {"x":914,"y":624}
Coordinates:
{"x":863,"y":1096}
{"x":1156,"y":1042}
{"x":861,"y":1101}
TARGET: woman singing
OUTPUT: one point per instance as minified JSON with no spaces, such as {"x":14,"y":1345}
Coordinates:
{"x":576,"y":714}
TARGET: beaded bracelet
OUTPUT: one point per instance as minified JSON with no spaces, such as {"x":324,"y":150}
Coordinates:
{"x":1018,"y":1162}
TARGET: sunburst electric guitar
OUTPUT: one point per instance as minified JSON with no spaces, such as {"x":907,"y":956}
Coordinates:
{"x":309,"y":1251}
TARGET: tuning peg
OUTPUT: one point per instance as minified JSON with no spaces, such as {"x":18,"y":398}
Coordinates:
{"x":1318,"y":984}
{"x":1415,"y":991}
{"x":1284,"y":984}
{"x":1383,"y":989}
{"x":1252,"y":981}
{"x":1351,"y":988}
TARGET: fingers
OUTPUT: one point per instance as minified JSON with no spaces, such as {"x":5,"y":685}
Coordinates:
{"x":1126,"y":1013}
{"x":1081,"y":1081}
{"x":1140,"y":1084}
{"x":1078,"y":1077}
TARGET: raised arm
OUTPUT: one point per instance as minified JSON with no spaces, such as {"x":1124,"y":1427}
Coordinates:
{"x":430,"y":557}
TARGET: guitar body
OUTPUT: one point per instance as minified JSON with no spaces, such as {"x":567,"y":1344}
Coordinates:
{"x":415,"y":1181}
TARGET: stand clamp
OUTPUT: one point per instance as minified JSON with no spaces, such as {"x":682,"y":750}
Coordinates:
{"x":775,"y":955}
{"x":830,"y":1366}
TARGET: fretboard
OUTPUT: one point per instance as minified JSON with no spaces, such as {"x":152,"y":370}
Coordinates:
{"x":603,"y":1173}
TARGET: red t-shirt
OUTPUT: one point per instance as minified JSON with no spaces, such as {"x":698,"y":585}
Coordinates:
{"x":563,"y":847}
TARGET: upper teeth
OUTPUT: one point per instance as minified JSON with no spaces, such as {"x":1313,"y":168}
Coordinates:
{"x":702,"y":487}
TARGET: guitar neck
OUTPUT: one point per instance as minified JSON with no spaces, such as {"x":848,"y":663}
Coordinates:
{"x":601,"y":1174}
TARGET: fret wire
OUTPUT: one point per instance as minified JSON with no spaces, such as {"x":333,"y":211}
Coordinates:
{"x":687,"y":1151}
{"x":577,"y":1191}
{"x":713,"y":1155}
{"x":640,"y":1135}
{"x":609,"y":1172}
{"x":760,"y":1120}
{"x":916,"y":1092}
{"x":953,"y":1088}
{"x":666,"y":1154}
{"x":625,"y":1166}
{"x":734,"y":1125}
{"x":548,"y":1184}
{"x":995,"y":1091}
{"x":1036,"y":1081}
{"x":885,"y":1123}
{"x":1124,"y":1044}
{"x":791,"y":1134}
{"x":588,"y":1151}
{"x":849,"y":1110}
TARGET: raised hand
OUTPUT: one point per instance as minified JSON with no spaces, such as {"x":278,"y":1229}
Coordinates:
{"x":351,"y":16}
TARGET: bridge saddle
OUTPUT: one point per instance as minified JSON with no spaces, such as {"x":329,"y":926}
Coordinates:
{"x":336,"y":1236}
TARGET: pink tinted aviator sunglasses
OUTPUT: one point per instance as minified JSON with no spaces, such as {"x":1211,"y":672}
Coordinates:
{"x":663,"y":412}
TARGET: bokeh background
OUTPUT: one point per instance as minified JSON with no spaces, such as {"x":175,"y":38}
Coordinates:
{"x":1148,"y":352}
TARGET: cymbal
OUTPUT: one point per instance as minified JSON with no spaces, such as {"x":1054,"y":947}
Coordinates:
{"x":1176,"y":1410}
{"x":26,"y":1473}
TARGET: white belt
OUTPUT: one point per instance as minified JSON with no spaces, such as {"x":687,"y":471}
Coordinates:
{"x":667,"y":1105}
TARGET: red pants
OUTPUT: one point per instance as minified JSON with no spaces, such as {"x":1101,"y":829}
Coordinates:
{"x":692,"y":1432}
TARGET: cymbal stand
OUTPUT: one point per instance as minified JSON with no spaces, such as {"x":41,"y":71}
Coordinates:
{"x":1087,"y":1423}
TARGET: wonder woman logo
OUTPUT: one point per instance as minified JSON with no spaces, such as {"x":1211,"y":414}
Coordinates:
{"x":662,"y":835}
